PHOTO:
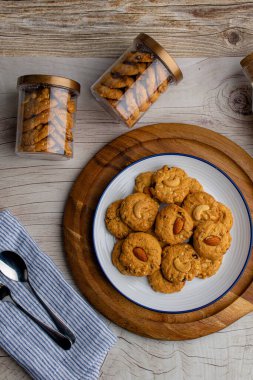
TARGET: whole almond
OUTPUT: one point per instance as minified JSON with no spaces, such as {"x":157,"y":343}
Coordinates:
{"x":212,"y":240}
{"x":178,"y":225}
{"x":140,"y":254}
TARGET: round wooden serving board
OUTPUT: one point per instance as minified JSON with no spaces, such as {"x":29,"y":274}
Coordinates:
{"x":78,"y":220}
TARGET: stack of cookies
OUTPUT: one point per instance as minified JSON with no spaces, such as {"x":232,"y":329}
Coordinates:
{"x":169,"y":230}
{"x":47,"y":120}
{"x":132,"y":84}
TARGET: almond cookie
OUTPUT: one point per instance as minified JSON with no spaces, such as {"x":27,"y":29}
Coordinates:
{"x":138,"y":56}
{"x":32,"y":123}
{"x":35,"y":107}
{"x":211,"y":240}
{"x":194,"y":185}
{"x":173,"y":225}
{"x":143,"y":183}
{"x":208,"y":267}
{"x":113,"y":222}
{"x":180,"y":263}
{"x":107,"y":92}
{"x":170,"y":185}
{"x":129,"y":68}
{"x":202,"y":207}
{"x":117,"y":81}
{"x":141,"y":254}
{"x":159,"y":283}
{"x":37,"y":134}
{"x":139,"y":211}
{"x":115,"y":257}
{"x":226,"y":216}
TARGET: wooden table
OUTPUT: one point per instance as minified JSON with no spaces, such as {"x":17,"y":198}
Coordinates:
{"x":214,"y":94}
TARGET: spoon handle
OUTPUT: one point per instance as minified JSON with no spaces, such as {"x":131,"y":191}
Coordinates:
{"x":58,"y":322}
{"x":63,"y":341}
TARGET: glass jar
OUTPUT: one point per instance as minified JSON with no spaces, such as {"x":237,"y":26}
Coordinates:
{"x":46,"y":116}
{"x":136,"y":80}
{"x":247,"y":66}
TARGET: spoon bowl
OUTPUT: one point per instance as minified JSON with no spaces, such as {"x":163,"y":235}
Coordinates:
{"x":14,"y":267}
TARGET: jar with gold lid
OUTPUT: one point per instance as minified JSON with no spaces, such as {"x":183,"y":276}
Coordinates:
{"x":136,"y":80}
{"x":46,"y":116}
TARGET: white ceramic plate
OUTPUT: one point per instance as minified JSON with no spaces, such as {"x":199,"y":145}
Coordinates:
{"x":197,"y":293}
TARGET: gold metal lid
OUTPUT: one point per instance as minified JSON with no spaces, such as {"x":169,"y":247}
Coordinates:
{"x":158,"y":50}
{"x":50,"y":80}
{"x":247,"y":65}
{"x":247,"y":60}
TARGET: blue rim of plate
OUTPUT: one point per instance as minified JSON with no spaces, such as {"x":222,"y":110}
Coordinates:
{"x":248,"y":212}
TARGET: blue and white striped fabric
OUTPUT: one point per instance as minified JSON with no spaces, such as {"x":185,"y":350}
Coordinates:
{"x":24,"y":340}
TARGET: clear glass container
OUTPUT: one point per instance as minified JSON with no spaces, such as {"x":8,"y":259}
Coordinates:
{"x":46,"y":116}
{"x":136,"y":80}
{"x":247,"y":66}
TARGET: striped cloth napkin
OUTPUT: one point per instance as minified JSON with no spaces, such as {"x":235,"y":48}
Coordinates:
{"x":22,"y":339}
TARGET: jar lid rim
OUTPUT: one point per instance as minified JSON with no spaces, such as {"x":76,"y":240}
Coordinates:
{"x":165,"y":57}
{"x":50,"y":80}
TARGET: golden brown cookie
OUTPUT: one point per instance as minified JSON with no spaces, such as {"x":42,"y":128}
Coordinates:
{"x":139,"y":211}
{"x":153,"y":98}
{"x":71,"y":106}
{"x":173,"y":225}
{"x":113,"y":221}
{"x":170,"y":185}
{"x":143,"y":183}
{"x":35,"y":107}
{"x":141,"y":254}
{"x":129,"y":68}
{"x":208,"y":267}
{"x":42,"y":118}
{"x":163,"y":87}
{"x":159,"y":283}
{"x":180,"y":263}
{"x":226,"y":216}
{"x":35,"y":135}
{"x":194,"y":185}
{"x":211,"y":240}
{"x":115,"y":257}
{"x":202,"y":207}
{"x":138,"y":56}
{"x":107,"y":92}
{"x":117,"y":81}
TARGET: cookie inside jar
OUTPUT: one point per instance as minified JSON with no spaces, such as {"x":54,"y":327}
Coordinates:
{"x":46,"y":116}
{"x":136,"y":80}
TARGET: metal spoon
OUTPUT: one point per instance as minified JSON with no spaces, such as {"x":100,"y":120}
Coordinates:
{"x":63,"y":341}
{"x":14,"y":267}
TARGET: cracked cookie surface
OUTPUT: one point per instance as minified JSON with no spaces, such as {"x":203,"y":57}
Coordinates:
{"x":113,"y":221}
{"x":173,"y":225}
{"x":180,"y":263}
{"x":141,"y":254}
{"x":170,"y":185}
{"x":211,"y":240}
{"x":139,"y":211}
{"x":201,"y":207}
{"x":159,"y":283}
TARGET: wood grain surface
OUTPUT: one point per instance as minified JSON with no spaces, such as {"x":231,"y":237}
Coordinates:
{"x":79,"y":215}
{"x":214,"y":94}
{"x":97,"y":28}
